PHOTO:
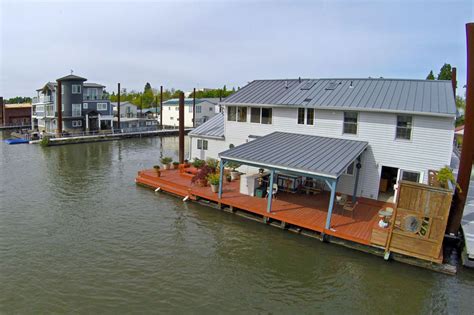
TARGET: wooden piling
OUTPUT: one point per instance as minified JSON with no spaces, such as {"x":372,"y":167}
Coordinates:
{"x":118,"y":106}
{"x":59,"y":108}
{"x":181,"y":127}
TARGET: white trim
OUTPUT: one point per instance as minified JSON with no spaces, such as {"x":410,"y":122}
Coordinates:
{"x":78,"y":89}
{"x":348,"y":109}
{"x":101,"y":104}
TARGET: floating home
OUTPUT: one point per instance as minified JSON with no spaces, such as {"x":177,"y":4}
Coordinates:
{"x":350,"y":160}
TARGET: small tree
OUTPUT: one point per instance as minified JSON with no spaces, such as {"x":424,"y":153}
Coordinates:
{"x":430,"y":76}
{"x":445,"y":73}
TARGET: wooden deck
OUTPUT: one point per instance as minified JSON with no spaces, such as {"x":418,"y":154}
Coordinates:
{"x":306,"y":211}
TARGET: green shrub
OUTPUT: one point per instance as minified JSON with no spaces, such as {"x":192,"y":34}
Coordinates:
{"x":446,"y":175}
{"x":213,"y":178}
{"x":197,"y":163}
{"x":44,"y":142}
{"x":212,"y":163}
{"x":233,"y":165}
{"x":166,"y":160}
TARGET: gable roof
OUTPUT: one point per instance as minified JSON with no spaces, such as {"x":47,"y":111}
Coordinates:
{"x":431,"y":97}
{"x":125,"y":103}
{"x":315,"y":155}
{"x":213,"y":128}
{"x":187,"y":101}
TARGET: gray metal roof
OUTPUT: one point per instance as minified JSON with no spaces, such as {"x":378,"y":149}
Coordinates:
{"x":90,"y":84}
{"x":323,"y":156}
{"x":213,"y":128}
{"x":390,"y":95}
{"x":72,"y":77}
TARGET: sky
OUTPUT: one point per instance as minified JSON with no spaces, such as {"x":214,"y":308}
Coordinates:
{"x":208,"y":44}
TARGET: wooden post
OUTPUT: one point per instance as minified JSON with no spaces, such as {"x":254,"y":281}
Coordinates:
{"x":270,"y":191}
{"x":181,"y":128}
{"x":59,"y":107}
{"x":332,"y":184}
{"x":161,"y":106}
{"x":357,"y":166}
{"x":118,"y":107}
{"x":467,"y":151}
{"x":221,"y":177}
{"x":156,"y":106}
{"x":194,"y":107}
{"x":454,"y":81}
{"x":2,"y":111}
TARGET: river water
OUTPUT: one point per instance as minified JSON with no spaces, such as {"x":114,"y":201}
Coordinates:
{"x":77,"y":235}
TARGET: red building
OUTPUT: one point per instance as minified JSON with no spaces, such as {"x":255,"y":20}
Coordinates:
{"x":16,"y":114}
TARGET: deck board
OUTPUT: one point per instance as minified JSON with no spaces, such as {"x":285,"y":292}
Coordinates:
{"x":306,"y":211}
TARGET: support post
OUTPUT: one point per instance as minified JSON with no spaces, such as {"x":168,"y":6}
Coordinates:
{"x":467,"y":151}
{"x":161,"y":106}
{"x":270,"y":191}
{"x":454,"y":81}
{"x":194,"y":107}
{"x":221,"y":177}
{"x":118,"y":107}
{"x":59,"y":108}
{"x":356,"y":184}
{"x":332,"y":185}
{"x":181,"y":128}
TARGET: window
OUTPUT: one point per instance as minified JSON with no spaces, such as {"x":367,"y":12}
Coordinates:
{"x":85,"y":106}
{"x":231,"y":113}
{"x":77,"y":123}
{"x":62,"y":88}
{"x":76,"y":89}
{"x":40,"y":108}
{"x":350,"y":169}
{"x":190,"y":109}
{"x":210,"y":109}
{"x":242,"y":114}
{"x":101,"y":106}
{"x":198,"y":109}
{"x":300,"y":116}
{"x":350,"y":122}
{"x":404,"y":124}
{"x":91,"y":94}
{"x":255,"y":114}
{"x":171,"y":118}
{"x":76,"y":110}
{"x":411,"y":176}
{"x":202,"y":144}
{"x":310,"y":116}
{"x":266,"y":116}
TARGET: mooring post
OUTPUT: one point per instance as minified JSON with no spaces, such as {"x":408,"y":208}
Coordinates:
{"x":59,"y":107}
{"x":118,"y":107}
{"x":161,"y":106}
{"x":181,"y":127}
{"x":467,"y":151}
{"x":194,"y":107}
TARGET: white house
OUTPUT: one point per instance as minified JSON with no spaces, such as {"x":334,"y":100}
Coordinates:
{"x":205,"y":109}
{"x":127,"y":109}
{"x":408,"y":125}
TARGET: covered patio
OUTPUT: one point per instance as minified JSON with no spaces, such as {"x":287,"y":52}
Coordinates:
{"x":308,"y":157}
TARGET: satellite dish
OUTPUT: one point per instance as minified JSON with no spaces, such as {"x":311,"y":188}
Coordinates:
{"x":411,"y":223}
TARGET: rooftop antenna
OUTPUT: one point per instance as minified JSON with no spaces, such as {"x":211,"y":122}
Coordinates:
{"x":286,"y":84}
{"x":351,"y":86}
{"x":72,"y":71}
{"x":299,"y":79}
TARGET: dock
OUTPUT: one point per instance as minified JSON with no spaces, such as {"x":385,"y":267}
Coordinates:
{"x":75,"y":139}
{"x":299,"y":213}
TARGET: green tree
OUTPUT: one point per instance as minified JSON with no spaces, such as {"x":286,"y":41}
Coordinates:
{"x":445,"y":73}
{"x":430,"y":76}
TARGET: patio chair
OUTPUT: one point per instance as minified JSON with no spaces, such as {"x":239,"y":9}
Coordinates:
{"x":349,"y":206}
{"x":341,"y":200}
{"x":274,"y":191}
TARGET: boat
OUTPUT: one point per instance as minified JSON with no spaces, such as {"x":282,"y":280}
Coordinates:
{"x":16,"y":141}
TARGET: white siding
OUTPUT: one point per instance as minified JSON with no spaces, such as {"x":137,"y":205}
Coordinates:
{"x":171,"y":114}
{"x":214,"y":146}
{"x":429,"y":148}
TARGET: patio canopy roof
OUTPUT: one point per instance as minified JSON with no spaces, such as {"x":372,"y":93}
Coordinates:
{"x":312,"y":155}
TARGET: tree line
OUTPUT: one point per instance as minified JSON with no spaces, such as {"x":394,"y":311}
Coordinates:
{"x":150,"y":97}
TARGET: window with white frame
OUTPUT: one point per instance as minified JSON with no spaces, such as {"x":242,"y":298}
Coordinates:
{"x":310,"y":116}
{"x":350,"y":123}
{"x":101,"y":106}
{"x":261,"y":115}
{"x":40,"y":108}
{"x":202,"y":144}
{"x":350,"y":169}
{"x":77,"y":123}
{"x":300,"y":116}
{"x":76,"y":89}
{"x":76,"y":110}
{"x":404,"y":126}
{"x":85,"y":105}
{"x":411,"y":176}
{"x":190,"y":109}
{"x":198,"y":109}
{"x":237,"y":113}
{"x":231,"y":113}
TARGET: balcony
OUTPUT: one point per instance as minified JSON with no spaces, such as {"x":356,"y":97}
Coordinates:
{"x":95,"y":97}
{"x":42,"y":99}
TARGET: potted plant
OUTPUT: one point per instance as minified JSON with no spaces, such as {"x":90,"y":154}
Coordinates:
{"x":234,"y":174}
{"x":175,"y":165}
{"x":212,"y":163}
{"x":446,"y":175}
{"x":166,"y":162}
{"x":197,"y":163}
{"x":201,"y":176}
{"x":213,"y":179}
{"x":157,"y":169}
